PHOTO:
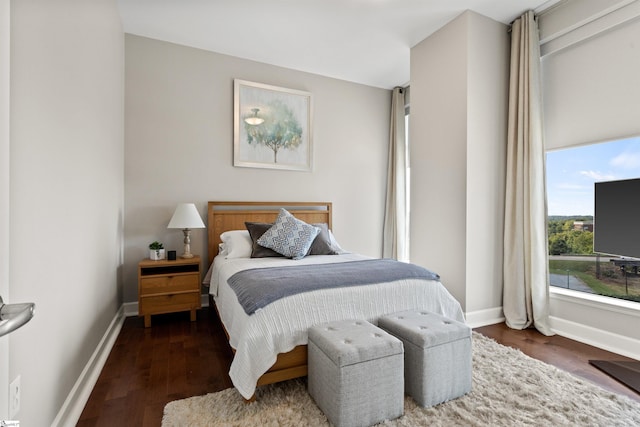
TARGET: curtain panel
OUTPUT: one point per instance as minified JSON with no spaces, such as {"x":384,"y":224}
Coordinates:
{"x":395,"y":233}
{"x":526,"y":265}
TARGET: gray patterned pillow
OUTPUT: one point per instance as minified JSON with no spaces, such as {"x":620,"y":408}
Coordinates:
{"x":289,"y":236}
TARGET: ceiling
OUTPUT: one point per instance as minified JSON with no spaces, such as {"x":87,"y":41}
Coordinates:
{"x":362,"y":41}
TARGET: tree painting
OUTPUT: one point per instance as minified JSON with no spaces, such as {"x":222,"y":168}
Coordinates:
{"x":272,"y":127}
{"x":280,"y":129}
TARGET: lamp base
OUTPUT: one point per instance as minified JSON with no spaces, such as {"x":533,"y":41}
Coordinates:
{"x":187,"y":244}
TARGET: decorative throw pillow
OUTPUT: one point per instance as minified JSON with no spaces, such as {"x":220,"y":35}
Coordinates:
{"x":256,"y":230}
{"x":289,"y":236}
{"x":322,"y":243}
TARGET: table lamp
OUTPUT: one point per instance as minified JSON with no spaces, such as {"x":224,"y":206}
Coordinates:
{"x":186,"y":217}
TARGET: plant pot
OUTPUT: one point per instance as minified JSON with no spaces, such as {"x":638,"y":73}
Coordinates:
{"x":156,"y":254}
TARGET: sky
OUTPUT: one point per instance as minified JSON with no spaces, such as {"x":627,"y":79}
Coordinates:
{"x":572,"y":172}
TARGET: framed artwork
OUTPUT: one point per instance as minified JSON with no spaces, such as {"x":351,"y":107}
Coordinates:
{"x":272,"y":127}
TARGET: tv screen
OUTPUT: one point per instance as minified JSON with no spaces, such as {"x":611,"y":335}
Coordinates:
{"x":616,"y":227}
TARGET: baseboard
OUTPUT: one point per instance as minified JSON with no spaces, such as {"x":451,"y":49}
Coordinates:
{"x":489,"y":316}
{"x":131,"y":308}
{"x":605,"y":340}
{"x":71,"y":409}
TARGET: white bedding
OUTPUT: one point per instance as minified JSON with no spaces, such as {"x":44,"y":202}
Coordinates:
{"x":283,"y":324}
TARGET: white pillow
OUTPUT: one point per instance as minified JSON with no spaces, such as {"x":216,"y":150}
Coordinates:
{"x":236,"y":244}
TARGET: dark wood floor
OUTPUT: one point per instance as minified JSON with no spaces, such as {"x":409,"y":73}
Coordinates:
{"x":176,"y":358}
{"x":149,"y":367}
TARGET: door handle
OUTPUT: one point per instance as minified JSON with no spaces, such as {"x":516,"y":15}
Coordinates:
{"x":13,"y":316}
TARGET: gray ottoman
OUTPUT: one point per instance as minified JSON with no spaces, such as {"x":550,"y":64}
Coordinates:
{"x":355,"y":373}
{"x":437,"y":355}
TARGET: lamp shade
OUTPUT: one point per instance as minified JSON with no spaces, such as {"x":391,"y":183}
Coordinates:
{"x":186,"y":216}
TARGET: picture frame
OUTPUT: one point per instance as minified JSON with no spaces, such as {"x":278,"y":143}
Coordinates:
{"x":272,"y":127}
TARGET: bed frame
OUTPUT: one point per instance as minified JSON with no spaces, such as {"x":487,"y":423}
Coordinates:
{"x":225,"y":216}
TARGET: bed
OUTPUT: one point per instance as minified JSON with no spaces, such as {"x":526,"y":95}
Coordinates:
{"x":269,"y":344}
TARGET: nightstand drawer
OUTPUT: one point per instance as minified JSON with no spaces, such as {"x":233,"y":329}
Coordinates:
{"x":169,"y":303}
{"x":168,"y":286}
{"x":164,"y":284}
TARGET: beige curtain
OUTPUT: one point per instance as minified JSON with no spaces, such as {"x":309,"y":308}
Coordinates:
{"x":526,"y":271}
{"x":395,"y":235}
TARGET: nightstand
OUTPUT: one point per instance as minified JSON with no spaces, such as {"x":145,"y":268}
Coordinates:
{"x":168,"y":286}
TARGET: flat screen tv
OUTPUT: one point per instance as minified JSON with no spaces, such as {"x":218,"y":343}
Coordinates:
{"x":616,"y":222}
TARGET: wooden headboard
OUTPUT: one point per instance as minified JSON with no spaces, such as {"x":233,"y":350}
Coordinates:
{"x":225,"y":216}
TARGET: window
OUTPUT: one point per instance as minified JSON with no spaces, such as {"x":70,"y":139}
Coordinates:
{"x":571,"y":176}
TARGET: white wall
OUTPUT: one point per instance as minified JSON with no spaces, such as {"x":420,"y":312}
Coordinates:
{"x":459,"y":81}
{"x":5,"y":23}
{"x":438,"y":153}
{"x":66,"y":191}
{"x":179,"y":139}
{"x":488,"y":92}
{"x":591,"y":93}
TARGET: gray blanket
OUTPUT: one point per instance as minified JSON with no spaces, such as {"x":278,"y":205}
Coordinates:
{"x":258,"y":287}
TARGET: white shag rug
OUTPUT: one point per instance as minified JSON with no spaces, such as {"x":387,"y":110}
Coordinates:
{"x":509,"y":389}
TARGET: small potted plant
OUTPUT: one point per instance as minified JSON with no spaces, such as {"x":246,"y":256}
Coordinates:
{"x":156,"y":251}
